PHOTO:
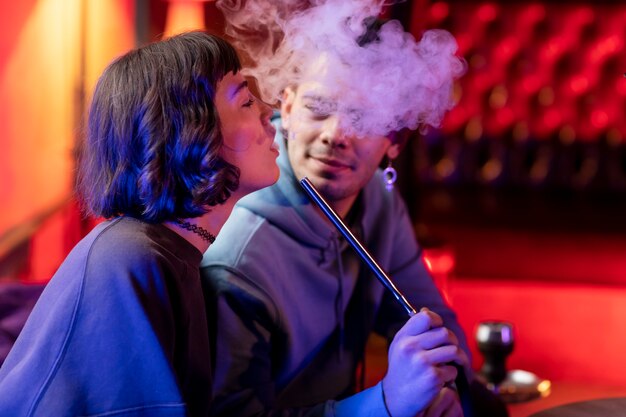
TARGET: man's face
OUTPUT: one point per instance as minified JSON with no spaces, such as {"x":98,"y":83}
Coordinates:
{"x":338,"y":164}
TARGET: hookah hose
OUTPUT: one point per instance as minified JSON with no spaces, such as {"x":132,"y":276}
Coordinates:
{"x":462,"y":385}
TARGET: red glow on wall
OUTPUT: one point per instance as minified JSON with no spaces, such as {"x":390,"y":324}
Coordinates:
{"x":579,"y":84}
{"x":553,"y":58}
{"x":599,"y":119}
{"x":606,"y":47}
{"x":487,"y":12}
{"x":554,"y":48}
{"x":184,"y":15}
{"x":506,"y":49}
{"x":531,"y":83}
{"x":439,"y":11}
{"x":505,"y":117}
{"x":556,"y":326}
{"x":532,"y":14}
{"x":620,"y":86}
{"x":582,"y":15}
{"x":552,"y":118}
{"x":439,"y":261}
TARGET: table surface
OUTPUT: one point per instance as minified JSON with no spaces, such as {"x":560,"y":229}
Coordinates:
{"x":607,"y":407}
{"x":567,"y":392}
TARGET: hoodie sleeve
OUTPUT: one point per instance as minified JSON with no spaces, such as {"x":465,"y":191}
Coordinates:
{"x":405,"y":264}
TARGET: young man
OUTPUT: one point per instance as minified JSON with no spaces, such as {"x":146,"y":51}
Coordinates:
{"x":295,"y":305}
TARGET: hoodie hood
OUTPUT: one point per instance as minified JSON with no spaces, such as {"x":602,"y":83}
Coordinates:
{"x":287,"y":206}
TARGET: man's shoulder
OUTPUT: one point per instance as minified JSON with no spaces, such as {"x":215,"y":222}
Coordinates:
{"x":244,"y":260}
{"x":240,"y":239}
{"x":379,"y":201}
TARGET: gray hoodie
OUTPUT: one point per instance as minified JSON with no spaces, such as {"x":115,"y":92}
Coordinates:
{"x":294,"y":305}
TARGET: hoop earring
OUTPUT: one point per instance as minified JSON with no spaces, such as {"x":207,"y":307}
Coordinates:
{"x":390,"y":175}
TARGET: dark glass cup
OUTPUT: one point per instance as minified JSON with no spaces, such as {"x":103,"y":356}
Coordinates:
{"x":495,"y":342}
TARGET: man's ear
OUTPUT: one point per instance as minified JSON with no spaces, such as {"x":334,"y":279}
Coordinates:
{"x":393,"y":151}
{"x":289,"y":96}
{"x":398,"y":140}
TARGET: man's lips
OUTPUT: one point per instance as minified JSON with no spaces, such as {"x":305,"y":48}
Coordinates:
{"x":332,"y":162}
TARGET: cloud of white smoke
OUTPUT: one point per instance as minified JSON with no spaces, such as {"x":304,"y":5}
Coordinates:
{"x":387,"y":84}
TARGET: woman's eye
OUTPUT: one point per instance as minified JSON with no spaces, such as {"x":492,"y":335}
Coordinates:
{"x":249,"y":103}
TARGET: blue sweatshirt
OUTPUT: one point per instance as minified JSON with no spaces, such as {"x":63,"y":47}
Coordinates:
{"x":120,"y":330}
{"x":295,"y":305}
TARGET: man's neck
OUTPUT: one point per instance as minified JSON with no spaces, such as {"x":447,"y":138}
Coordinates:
{"x":342,"y":208}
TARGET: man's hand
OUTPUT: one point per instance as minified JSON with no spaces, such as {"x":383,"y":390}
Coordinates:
{"x":446,"y":404}
{"x":420,"y":358}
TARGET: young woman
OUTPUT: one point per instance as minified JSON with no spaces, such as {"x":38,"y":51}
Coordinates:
{"x":174,"y":139}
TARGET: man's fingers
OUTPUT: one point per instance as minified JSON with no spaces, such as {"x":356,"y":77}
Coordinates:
{"x":421,"y":322}
{"x":445,"y":354}
{"x":447,"y":373}
{"x":453,"y":404}
{"x":446,"y":404}
{"x":436,"y":337}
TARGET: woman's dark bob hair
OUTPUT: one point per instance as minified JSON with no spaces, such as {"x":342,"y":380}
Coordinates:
{"x":153,"y":140}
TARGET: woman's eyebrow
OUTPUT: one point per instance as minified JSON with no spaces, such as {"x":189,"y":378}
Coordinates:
{"x":237,"y":89}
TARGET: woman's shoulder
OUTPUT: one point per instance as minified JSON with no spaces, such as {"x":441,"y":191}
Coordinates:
{"x":128,"y":239}
{"x":122,"y":251}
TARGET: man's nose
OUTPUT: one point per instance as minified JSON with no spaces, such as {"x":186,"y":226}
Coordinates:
{"x":333,"y":133}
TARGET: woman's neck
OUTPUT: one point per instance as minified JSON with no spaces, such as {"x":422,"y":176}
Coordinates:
{"x":212,"y":222}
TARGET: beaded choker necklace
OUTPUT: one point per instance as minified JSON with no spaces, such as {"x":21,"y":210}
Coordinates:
{"x":200,"y":231}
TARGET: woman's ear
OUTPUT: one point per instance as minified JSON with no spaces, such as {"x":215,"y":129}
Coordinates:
{"x":289,"y":95}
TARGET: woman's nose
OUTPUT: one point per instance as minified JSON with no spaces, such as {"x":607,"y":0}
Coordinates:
{"x":266,"y":111}
{"x":266,"y":114}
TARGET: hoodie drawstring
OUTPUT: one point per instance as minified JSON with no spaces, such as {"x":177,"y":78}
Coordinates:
{"x":339,"y":301}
